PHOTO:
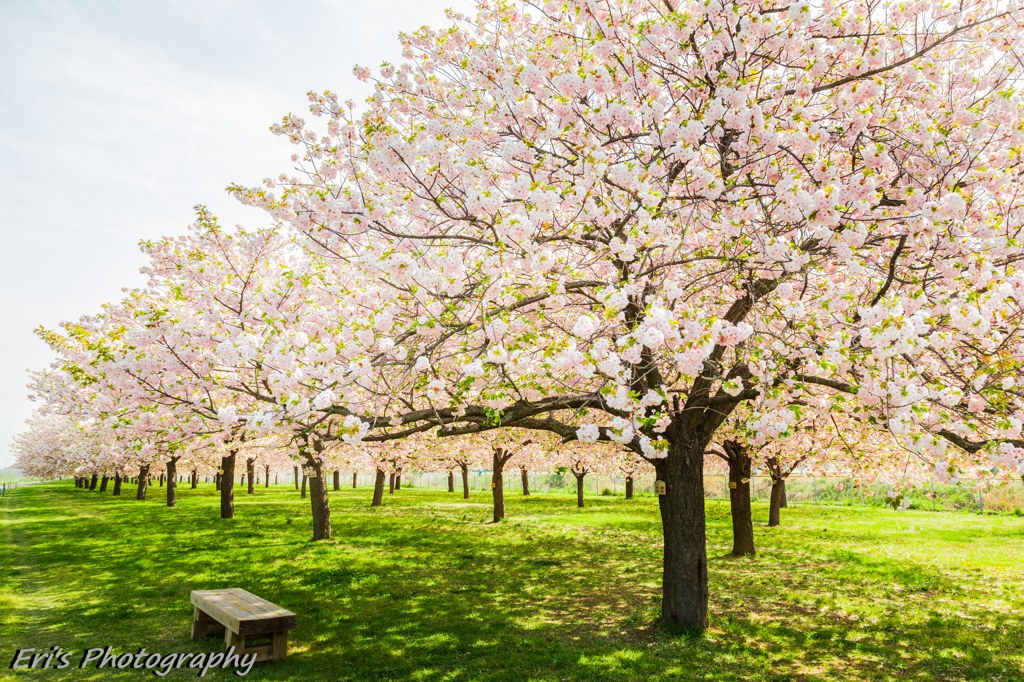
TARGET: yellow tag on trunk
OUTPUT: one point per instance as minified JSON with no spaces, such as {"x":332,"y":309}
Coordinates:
{"x":660,"y":487}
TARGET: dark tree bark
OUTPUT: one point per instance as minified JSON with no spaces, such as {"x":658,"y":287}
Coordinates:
{"x":216,"y":481}
{"x":160,"y":480}
{"x":579,"y":487}
{"x":775,"y":502}
{"x":266,"y":475}
{"x":629,"y":487}
{"x":464,"y":468}
{"x":498,"y":483}
{"x":451,"y":481}
{"x":779,"y":474}
{"x":305,"y":480}
{"x":398,"y":480}
{"x":526,"y":480}
{"x":92,"y":482}
{"x":103,"y":484}
{"x":195,"y":479}
{"x":684,"y":601}
{"x":355,"y":479}
{"x":378,"y":489}
{"x":172,"y":481}
{"x":227,"y":486}
{"x":296,"y":470}
{"x":117,"y":484}
{"x":337,"y":480}
{"x":739,"y":498}
{"x":319,"y":501}
{"x":250,"y":474}
{"x":140,"y":491}
{"x":391,"y":483}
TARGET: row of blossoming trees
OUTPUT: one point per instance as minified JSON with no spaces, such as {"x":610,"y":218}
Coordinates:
{"x":767,"y":233}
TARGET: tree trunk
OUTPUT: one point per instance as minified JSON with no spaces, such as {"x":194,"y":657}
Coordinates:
{"x":398,"y":480}
{"x":103,"y":484}
{"x":579,"y":488}
{"x":305,"y":480}
{"x":784,"y":503}
{"x":266,"y":475}
{"x":195,"y":479}
{"x":250,"y":475}
{"x":296,"y":470}
{"x":117,"y":484}
{"x":684,"y":598}
{"x":337,"y":480}
{"x":739,"y":499}
{"x":498,"y":484}
{"x":451,"y":481}
{"x":465,"y":480}
{"x":216,"y":481}
{"x":775,"y":501}
{"x":355,"y":479}
{"x":318,"y":500}
{"x":92,"y":482}
{"x":161,"y":480}
{"x":227,"y":487}
{"x":172,"y":482}
{"x":391,"y":483}
{"x":378,"y":488}
{"x":526,"y":481}
{"x":140,"y":491}
{"x":629,"y":487}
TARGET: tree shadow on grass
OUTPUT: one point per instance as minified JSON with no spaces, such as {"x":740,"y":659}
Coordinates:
{"x":414,"y":593}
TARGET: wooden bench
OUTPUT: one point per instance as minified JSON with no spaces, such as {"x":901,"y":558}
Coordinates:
{"x":251,"y":624}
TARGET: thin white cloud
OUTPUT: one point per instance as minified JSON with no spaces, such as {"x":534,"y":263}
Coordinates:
{"x":117,"y":117}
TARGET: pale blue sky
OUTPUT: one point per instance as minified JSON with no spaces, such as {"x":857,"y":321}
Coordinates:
{"x":116,"y":118}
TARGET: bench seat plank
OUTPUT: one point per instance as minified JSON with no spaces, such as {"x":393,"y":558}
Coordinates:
{"x":242,"y":612}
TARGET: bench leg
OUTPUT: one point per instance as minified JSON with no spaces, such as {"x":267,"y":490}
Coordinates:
{"x":235,"y":640}
{"x":280,"y":645}
{"x":267,"y":647}
{"x":204,"y":626}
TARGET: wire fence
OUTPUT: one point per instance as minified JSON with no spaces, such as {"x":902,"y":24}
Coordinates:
{"x":969,"y":495}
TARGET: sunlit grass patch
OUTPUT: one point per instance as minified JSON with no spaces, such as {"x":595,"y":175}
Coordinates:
{"x":426,"y":588}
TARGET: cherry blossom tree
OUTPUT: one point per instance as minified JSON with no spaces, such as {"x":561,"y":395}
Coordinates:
{"x":618,"y":222}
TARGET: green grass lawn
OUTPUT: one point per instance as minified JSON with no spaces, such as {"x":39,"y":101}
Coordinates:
{"x":426,"y":589}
